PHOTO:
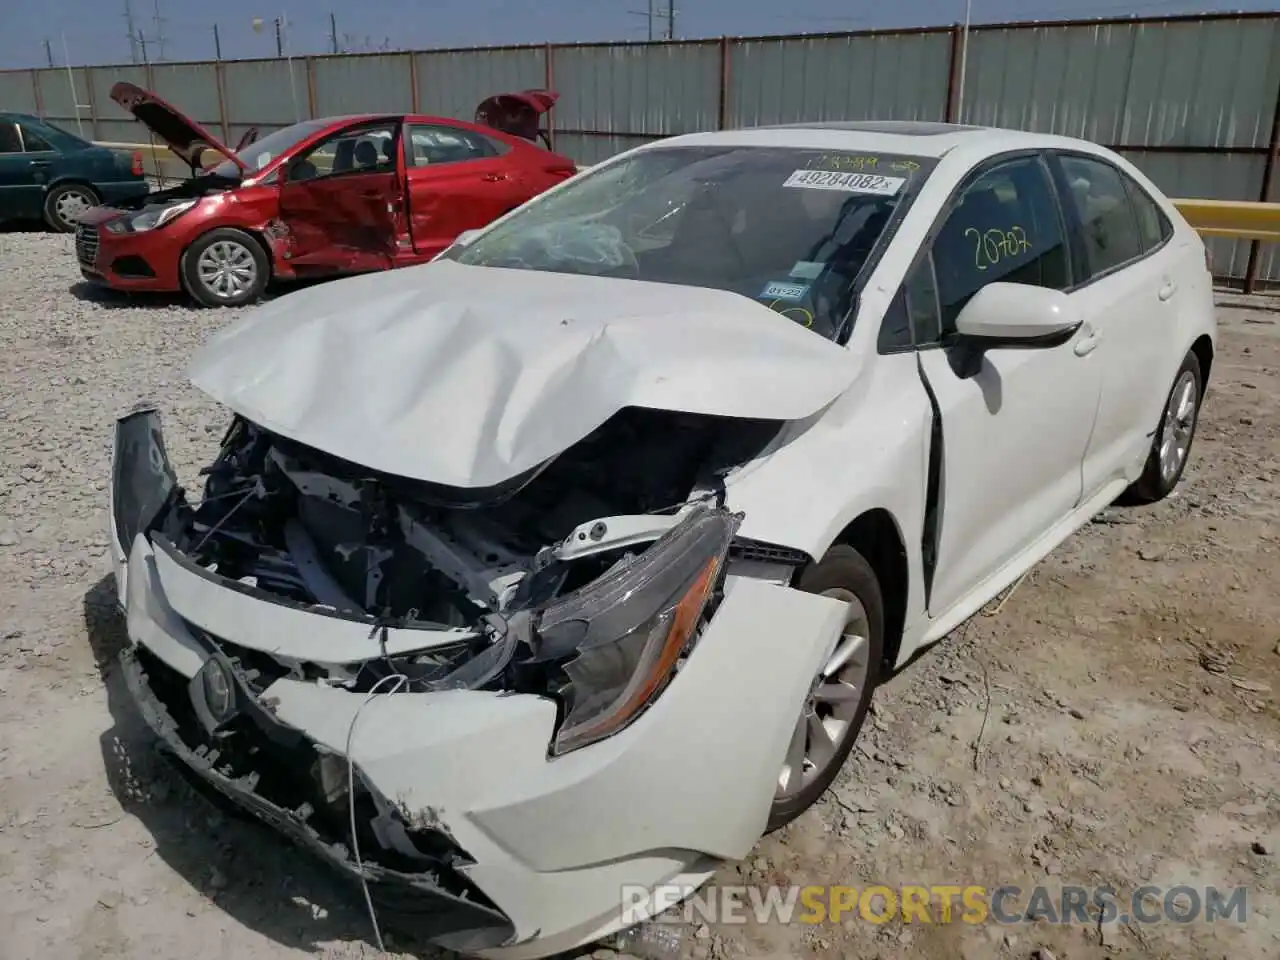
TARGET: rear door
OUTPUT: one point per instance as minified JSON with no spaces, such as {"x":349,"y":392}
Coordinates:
{"x":1128,"y":286}
{"x":21,"y":180}
{"x":342,"y":201}
{"x":458,"y":179}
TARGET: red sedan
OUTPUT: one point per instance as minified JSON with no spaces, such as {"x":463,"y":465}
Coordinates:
{"x":322,"y":197}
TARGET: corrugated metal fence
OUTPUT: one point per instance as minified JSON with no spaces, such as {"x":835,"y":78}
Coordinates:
{"x":1194,"y":101}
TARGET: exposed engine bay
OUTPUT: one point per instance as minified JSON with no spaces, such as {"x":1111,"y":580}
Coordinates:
{"x":193,"y":188}
{"x":306,"y":528}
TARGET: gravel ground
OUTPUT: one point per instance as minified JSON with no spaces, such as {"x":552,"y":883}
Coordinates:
{"x":1113,"y":721}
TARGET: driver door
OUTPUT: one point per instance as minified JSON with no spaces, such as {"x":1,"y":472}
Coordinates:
{"x":342,"y":201}
{"x":1015,"y":427}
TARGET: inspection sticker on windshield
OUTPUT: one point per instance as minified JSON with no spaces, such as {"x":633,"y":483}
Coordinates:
{"x":848,"y":182}
{"x":782,"y":290}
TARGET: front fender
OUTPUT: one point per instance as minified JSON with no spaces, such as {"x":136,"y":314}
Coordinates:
{"x":869,"y":450}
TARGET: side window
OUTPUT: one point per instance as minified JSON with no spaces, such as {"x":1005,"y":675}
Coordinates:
{"x":33,"y":141}
{"x":1154,"y":227}
{"x":350,"y":152}
{"x":9,"y":140}
{"x":1107,"y":218}
{"x":431,"y":144}
{"x":1004,"y":227}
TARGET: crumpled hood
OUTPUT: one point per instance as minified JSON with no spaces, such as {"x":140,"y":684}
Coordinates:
{"x":470,"y":376}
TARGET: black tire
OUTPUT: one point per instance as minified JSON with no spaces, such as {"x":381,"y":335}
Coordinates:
{"x":1155,"y":484}
{"x":58,"y":197}
{"x":843,"y":568}
{"x":229,"y":238}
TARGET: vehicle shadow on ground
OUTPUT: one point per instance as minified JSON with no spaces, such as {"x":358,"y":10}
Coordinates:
{"x":29,"y":226}
{"x":102,"y":296}
{"x":88,"y":292}
{"x":252,"y":874}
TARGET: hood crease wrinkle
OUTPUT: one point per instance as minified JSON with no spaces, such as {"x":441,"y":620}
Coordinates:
{"x":468,"y":376}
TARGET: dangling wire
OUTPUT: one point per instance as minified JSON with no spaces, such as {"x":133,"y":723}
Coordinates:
{"x":401,"y":682}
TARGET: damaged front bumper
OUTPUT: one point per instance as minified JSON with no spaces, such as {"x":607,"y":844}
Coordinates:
{"x":471,"y":834}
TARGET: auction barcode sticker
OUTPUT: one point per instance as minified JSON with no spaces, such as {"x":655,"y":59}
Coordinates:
{"x":847,"y":182}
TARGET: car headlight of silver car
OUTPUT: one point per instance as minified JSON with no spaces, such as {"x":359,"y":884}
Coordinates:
{"x":622,"y":636}
{"x":150,"y":218}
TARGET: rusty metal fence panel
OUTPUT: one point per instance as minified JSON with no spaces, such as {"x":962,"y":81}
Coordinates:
{"x":452,"y":83}
{"x":645,"y":88}
{"x":364,"y":84}
{"x":880,"y":77}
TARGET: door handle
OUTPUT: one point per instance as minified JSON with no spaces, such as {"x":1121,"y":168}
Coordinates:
{"x":39,"y":163}
{"x":1087,"y":343}
{"x":1168,"y":290}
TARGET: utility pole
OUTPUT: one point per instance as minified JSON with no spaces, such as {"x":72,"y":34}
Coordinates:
{"x":333,"y":32}
{"x":217,"y":43}
{"x":279,"y":37}
{"x":48,"y":51}
{"x":671,"y":19}
{"x":132,"y":28}
{"x":648,"y":14}
{"x":159,"y":35}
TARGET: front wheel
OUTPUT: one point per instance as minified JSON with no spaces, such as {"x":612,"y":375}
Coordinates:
{"x":838,"y":698}
{"x":66,"y":203}
{"x":1171,"y":445}
{"x":225,"y":268}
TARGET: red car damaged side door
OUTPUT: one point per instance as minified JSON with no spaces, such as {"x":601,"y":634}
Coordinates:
{"x":342,"y":201}
{"x":458,"y":179}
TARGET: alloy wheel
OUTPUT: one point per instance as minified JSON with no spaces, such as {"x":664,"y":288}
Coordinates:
{"x":832,"y":704}
{"x":227,"y":269}
{"x":1179,"y":424}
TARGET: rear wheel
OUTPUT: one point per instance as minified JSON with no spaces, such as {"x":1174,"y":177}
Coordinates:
{"x":66,"y":203}
{"x":225,"y":268}
{"x":1171,"y":445}
{"x":838,"y":698}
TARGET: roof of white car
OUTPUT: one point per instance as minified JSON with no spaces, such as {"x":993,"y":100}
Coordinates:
{"x":922,"y":138}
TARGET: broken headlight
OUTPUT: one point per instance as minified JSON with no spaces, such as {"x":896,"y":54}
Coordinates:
{"x":622,"y":635}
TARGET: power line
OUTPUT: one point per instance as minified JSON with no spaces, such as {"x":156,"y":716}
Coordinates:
{"x":132,"y":31}
{"x":159,"y":34}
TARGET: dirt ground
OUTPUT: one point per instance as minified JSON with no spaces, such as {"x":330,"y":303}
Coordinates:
{"x":1111,"y":722}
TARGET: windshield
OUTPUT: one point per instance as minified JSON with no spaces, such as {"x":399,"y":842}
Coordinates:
{"x":789,"y":228}
{"x":261,"y":152}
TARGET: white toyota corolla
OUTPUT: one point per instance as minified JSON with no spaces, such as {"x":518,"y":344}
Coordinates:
{"x":569,"y":561}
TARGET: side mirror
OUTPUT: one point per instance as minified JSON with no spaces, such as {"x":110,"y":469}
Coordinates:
{"x":1017,"y":315}
{"x":465,"y":237}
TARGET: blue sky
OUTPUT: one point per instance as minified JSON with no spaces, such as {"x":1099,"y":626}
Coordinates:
{"x":95,"y":29}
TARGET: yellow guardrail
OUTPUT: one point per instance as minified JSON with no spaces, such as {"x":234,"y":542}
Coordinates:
{"x":1239,"y":219}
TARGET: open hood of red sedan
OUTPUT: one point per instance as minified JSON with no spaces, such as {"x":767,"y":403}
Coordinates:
{"x":516,"y":113}
{"x":180,"y":133}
